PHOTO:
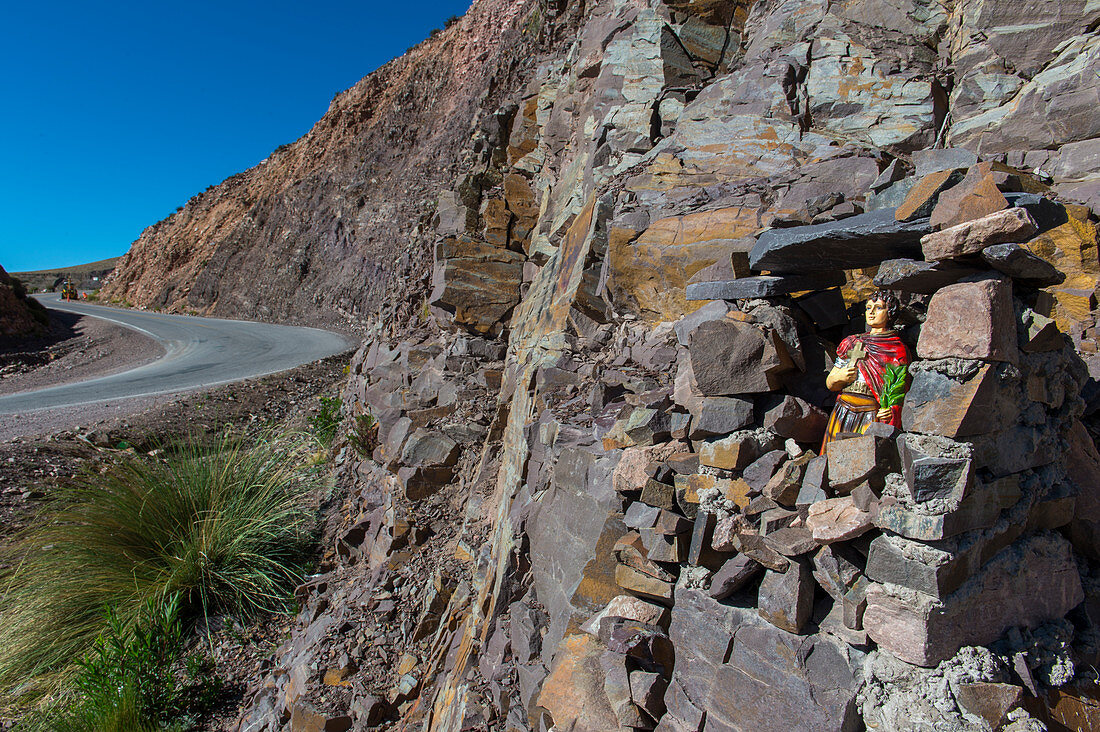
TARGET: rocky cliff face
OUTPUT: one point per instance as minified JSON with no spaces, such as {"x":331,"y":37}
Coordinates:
{"x":19,"y":315}
{"x":320,"y":230}
{"x":582,"y":482}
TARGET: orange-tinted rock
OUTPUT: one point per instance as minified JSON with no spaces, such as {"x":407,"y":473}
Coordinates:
{"x":992,"y":702}
{"x":522,"y":203}
{"x":477,"y":282}
{"x":975,"y":196}
{"x":497,"y":218}
{"x":652,"y":271}
{"x":573,"y":693}
{"x":922,"y":197}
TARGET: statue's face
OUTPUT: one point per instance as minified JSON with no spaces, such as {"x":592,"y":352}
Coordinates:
{"x":877,"y":314}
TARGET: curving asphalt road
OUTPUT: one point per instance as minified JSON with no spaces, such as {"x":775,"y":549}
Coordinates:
{"x":199,"y":352}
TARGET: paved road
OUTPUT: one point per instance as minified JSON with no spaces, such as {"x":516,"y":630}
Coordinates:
{"x":199,"y":352}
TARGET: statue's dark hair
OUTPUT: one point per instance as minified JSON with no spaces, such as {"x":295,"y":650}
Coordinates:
{"x":891,"y":300}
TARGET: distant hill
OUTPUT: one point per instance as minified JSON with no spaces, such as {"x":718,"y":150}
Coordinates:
{"x":86,"y":276}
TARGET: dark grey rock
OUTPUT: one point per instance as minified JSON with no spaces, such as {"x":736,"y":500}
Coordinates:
{"x":641,"y":516}
{"x":973,"y":400}
{"x":734,"y":575}
{"x":918,"y":276}
{"x":760,"y":471}
{"x":814,"y":481}
{"x":797,"y":419}
{"x":730,"y":357}
{"x":687,"y":324}
{"x":699,"y":551}
{"x":786,"y":599}
{"x":791,"y":541}
{"x":825,"y":308}
{"x":1022,"y":266}
{"x":858,"y":241}
{"x":748,"y":675}
{"x":933,"y":476}
{"x":935,"y":159}
{"x":721,"y":416}
{"x":1046,"y":213}
{"x":762,"y":286}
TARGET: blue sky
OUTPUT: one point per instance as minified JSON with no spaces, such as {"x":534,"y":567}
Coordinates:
{"x":113,"y":114}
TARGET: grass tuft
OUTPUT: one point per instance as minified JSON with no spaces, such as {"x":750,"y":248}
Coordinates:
{"x":222,"y":527}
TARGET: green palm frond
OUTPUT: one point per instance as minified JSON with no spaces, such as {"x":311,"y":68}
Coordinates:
{"x":894,"y":384}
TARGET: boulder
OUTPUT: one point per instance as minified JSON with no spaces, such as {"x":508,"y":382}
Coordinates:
{"x":934,"y":471}
{"x":796,"y":419}
{"x":721,"y":416}
{"x":855,"y":460}
{"x":971,"y":320}
{"x":763,"y":286}
{"x":686,"y":325}
{"x":734,"y":452}
{"x":477,"y":282}
{"x":786,"y":599}
{"x":837,"y":519}
{"x":857,"y":241}
{"x":1022,"y":266}
{"x":920,"y":277}
{"x":730,"y":357}
{"x":761,"y":470}
{"x":574,"y":693}
{"x":974,"y":197}
{"x":747,"y":674}
{"x":733,"y":576}
{"x":973,"y":402}
{"x":971,"y":237}
{"x":944,"y":518}
{"x":1031,"y":582}
{"x":922,"y":197}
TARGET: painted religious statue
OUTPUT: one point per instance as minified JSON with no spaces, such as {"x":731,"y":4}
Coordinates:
{"x":870,"y":372}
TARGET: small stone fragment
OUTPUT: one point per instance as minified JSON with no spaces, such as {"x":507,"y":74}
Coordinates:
{"x":837,"y":519}
{"x":732,"y":576}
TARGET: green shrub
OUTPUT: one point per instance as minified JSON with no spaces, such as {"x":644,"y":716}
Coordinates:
{"x":128,"y":681}
{"x":324,"y":423}
{"x":222,"y":527}
{"x":364,"y":437}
